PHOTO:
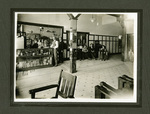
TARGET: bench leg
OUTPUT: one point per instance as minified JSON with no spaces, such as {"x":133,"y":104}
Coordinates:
{"x":98,"y":93}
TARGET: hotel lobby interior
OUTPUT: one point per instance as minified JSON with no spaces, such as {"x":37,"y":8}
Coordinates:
{"x":114,"y":31}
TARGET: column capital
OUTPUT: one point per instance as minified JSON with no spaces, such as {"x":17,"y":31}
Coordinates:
{"x":73,"y":17}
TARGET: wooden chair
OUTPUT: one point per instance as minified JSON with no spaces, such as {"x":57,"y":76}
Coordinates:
{"x":65,"y":86}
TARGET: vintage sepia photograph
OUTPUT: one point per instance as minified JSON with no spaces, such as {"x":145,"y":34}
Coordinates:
{"x":75,"y":57}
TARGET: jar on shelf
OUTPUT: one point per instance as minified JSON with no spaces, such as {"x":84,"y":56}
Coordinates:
{"x":28,"y":65}
{"x":21,"y":54}
{"x":39,"y":43}
{"x":37,"y":52}
{"x":30,"y":53}
{"x":33,"y":54}
{"x":18,"y":53}
{"x":50,"y":60}
{"x":26,"y":53}
{"x":41,"y":51}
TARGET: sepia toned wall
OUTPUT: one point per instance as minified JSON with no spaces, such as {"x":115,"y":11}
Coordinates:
{"x":105,"y":25}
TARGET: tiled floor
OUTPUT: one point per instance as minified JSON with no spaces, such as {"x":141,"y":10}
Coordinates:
{"x":89,"y":73}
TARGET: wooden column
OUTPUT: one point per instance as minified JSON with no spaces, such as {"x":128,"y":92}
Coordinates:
{"x":73,"y":42}
{"x":124,"y":37}
{"x":73,"y":45}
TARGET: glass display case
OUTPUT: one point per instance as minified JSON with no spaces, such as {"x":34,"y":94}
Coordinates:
{"x":37,"y":38}
{"x":27,"y":59}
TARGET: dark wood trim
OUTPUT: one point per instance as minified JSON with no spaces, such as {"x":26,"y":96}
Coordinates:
{"x":88,"y":40}
{"x":118,"y":45}
{"x":112,"y":44}
{"x":78,"y":16}
{"x":102,"y":40}
{"x":62,"y":38}
{"x":115,"y":44}
{"x":70,"y":16}
{"x":78,"y":32}
{"x":103,"y":35}
{"x":109,"y":44}
{"x":106,"y":41}
{"x":39,"y":24}
{"x":115,"y":15}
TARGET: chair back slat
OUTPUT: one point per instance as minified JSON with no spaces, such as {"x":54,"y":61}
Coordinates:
{"x":63,"y":85}
{"x":72,"y":87}
{"x":67,"y":85}
{"x":66,"y":88}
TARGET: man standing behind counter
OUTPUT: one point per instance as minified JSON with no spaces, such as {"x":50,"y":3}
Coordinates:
{"x":55,"y":46}
{"x":61,"y":49}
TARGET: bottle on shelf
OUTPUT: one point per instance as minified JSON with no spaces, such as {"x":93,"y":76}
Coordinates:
{"x":39,"y":44}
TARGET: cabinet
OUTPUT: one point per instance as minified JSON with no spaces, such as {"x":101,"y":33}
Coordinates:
{"x":28,"y":59}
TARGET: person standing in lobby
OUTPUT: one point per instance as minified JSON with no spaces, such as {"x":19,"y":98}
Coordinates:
{"x":80,"y":51}
{"x":61,"y":50}
{"x":84,"y":52}
{"x":91,"y":53}
{"x":55,"y":47}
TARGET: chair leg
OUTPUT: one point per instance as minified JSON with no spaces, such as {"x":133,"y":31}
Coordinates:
{"x":33,"y":95}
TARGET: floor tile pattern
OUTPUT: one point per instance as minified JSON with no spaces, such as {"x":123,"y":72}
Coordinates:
{"x":89,"y":74}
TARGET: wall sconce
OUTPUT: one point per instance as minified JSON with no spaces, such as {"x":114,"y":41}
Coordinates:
{"x":120,"y":36}
{"x":97,"y":19}
{"x":92,"y":19}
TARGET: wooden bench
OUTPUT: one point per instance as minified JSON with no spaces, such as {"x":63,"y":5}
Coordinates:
{"x":105,"y":91}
